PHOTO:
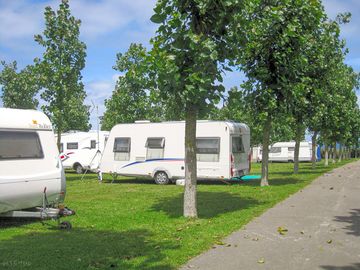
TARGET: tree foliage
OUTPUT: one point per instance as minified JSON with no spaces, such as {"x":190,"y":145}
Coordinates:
{"x":273,"y":58}
{"x":60,"y":70}
{"x":129,"y":101}
{"x":19,"y":88}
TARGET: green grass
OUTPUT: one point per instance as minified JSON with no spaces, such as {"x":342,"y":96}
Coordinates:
{"x":135,"y":224}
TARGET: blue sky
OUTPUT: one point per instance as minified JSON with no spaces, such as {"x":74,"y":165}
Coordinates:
{"x":108,"y":27}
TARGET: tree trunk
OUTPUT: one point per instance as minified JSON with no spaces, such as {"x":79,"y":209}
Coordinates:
{"x":265,"y":154}
{"x":326,"y":155}
{"x":58,"y":140}
{"x":190,"y":205}
{"x":333,"y":156}
{"x":313,"y":150}
{"x":297,"y":147}
{"x":340,"y":152}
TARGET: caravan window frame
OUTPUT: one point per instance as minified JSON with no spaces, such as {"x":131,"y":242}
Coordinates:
{"x":201,"y":154}
{"x":71,"y":147}
{"x":242,"y":148}
{"x":92,"y":144}
{"x":157,"y":151}
{"x":122,"y":155}
{"x":275,"y":150}
{"x":161,"y":146}
{"x":36,"y":139}
{"x":122,"y":151}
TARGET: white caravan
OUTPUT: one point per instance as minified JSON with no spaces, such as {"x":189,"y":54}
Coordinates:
{"x":157,"y":150}
{"x":256,"y":154}
{"x":82,"y":150}
{"x":284,"y":152}
{"x":30,"y":169}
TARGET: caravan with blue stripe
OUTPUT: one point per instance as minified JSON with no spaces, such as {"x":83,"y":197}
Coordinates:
{"x":157,"y":150}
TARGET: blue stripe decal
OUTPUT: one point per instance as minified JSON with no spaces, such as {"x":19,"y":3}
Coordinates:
{"x":152,"y":160}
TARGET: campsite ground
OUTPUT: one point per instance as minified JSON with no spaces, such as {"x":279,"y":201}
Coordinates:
{"x":135,"y":224}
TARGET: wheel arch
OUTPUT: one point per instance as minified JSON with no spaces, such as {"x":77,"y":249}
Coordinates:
{"x":161,"y":169}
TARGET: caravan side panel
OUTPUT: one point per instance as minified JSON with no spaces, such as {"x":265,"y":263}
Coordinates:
{"x":136,"y":162}
{"x":23,"y":179}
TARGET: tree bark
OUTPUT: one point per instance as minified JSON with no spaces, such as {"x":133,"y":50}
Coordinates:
{"x":333,"y":156}
{"x":326,"y":155}
{"x":58,"y":140}
{"x":190,"y":203}
{"x":340,"y":153}
{"x":313,"y":150}
{"x":265,"y":154}
{"x":297,"y":147}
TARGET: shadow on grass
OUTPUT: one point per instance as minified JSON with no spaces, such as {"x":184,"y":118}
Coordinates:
{"x":355,"y":266}
{"x":7,"y":222}
{"x":352,"y":221}
{"x":272,"y":182}
{"x":134,"y":181}
{"x":85,"y":249}
{"x":210,"y":204}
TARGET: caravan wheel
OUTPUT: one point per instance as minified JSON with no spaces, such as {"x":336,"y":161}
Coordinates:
{"x":78,"y":169}
{"x":161,"y":178}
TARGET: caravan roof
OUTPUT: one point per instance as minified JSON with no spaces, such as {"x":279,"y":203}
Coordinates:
{"x":24,"y":119}
{"x":289,"y":144}
{"x":233,"y":126}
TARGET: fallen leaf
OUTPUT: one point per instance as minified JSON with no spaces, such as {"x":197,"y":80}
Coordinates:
{"x":261,"y":260}
{"x":282,"y":230}
{"x":220,"y":243}
{"x":329,"y":241}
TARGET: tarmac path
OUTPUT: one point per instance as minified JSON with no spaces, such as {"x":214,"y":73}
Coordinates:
{"x":323,"y":231}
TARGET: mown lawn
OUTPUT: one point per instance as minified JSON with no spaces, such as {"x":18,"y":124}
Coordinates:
{"x":135,"y":224}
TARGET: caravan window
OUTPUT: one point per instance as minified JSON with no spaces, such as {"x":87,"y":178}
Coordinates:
{"x":155,"y":148}
{"x":275,"y":150}
{"x":291,"y":149}
{"x":122,"y":148}
{"x":20,"y":145}
{"x":237,"y":145}
{"x":208,"y":149}
{"x":72,"y":146}
{"x":92,"y":144}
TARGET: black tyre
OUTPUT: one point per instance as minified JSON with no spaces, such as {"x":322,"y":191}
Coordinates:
{"x":78,"y":169}
{"x":65,"y":225}
{"x":161,"y":178}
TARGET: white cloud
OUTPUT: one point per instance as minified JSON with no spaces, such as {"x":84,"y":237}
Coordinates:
{"x":22,"y":19}
{"x":19,"y":20}
{"x":101,"y":17}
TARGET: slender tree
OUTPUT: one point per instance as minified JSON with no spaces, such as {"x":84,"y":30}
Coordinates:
{"x":60,"y":70}
{"x":273,"y":58}
{"x":129,"y":101}
{"x":189,"y":52}
{"x":19,"y":88}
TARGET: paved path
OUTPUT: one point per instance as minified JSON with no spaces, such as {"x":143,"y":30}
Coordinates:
{"x":323,"y":223}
